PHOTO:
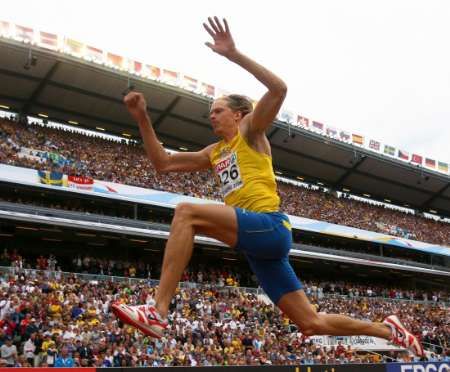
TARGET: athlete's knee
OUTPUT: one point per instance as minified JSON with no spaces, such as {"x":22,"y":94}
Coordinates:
{"x":183,"y":212}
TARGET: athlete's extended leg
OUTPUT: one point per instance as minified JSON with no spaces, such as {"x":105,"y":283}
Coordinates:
{"x":298,"y":308}
{"x":215,"y":221}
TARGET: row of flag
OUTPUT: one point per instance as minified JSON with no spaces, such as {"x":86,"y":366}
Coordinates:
{"x":81,"y":50}
{"x":78,"y":49}
{"x":371,"y":144}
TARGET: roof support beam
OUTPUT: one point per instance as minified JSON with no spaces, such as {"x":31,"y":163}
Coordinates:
{"x":271,"y":134}
{"x":39,"y":88}
{"x":166,"y":112}
{"x":94,"y":94}
{"x":371,"y":176}
{"x":69,"y":88}
{"x":18,"y":75}
{"x":357,"y":161}
{"x":427,"y":203}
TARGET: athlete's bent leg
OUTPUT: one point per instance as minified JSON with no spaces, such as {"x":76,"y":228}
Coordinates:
{"x":215,"y":221}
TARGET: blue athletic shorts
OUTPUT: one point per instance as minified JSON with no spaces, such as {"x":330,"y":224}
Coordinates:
{"x":265,"y":239}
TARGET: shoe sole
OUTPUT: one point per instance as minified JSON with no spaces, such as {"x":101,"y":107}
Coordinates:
{"x":416,"y":345}
{"x":126,"y":319}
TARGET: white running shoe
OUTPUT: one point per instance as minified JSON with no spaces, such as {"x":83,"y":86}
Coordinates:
{"x":143,"y":317}
{"x":402,"y":337}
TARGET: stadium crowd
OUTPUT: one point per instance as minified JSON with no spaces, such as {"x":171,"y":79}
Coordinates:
{"x":64,"y":321}
{"x":215,"y":273}
{"x":101,"y":159}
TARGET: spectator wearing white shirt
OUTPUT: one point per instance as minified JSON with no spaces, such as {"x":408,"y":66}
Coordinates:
{"x":9,"y":352}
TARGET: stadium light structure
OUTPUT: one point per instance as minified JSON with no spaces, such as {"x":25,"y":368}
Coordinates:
{"x":130,"y":87}
{"x":290,"y":134}
{"x":422,"y":177}
{"x":31,"y":61}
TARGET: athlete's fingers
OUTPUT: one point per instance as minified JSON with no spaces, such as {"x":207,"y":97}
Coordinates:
{"x":133,"y":99}
{"x":227,"y":29}
{"x":213,"y":25}
{"x":130,"y":95}
{"x":127,"y":99}
{"x":219,"y":26}
{"x":211,"y":32}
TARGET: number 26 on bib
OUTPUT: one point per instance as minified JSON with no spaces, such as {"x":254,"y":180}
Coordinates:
{"x":229,"y":174}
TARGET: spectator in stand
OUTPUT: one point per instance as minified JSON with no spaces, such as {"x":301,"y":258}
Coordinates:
{"x":232,"y":320}
{"x":64,"y":359}
{"x":9,"y":352}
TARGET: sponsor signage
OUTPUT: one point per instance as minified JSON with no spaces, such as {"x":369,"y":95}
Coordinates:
{"x":340,"y":368}
{"x":418,"y":367}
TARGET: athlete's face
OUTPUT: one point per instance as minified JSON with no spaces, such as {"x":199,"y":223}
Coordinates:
{"x":223,"y":119}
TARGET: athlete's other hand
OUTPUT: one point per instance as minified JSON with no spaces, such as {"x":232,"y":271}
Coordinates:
{"x":223,"y":42}
{"x":136,"y":105}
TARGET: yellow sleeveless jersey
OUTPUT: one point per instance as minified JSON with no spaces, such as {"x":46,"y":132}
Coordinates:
{"x":245,"y":176}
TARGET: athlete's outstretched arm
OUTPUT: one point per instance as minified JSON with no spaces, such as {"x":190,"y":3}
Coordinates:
{"x":269,"y":105}
{"x":161,"y":160}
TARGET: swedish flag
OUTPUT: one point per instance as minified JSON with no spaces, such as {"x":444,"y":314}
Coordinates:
{"x":51,"y":178}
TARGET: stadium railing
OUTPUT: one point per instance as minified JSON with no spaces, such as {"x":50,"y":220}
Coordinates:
{"x":119,"y":221}
{"x":33,"y":273}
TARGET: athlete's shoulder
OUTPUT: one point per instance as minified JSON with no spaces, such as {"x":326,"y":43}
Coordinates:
{"x":258,"y":141}
{"x":209,"y":150}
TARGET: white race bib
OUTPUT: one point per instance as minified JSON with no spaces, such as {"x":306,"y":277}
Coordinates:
{"x":229,"y":174}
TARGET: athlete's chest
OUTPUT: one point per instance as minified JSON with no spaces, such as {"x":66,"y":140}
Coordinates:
{"x":228,"y":169}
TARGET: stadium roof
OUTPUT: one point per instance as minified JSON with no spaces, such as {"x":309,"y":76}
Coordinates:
{"x":71,"y":89}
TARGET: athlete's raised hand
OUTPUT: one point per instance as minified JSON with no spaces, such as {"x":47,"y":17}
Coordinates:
{"x":223,"y":41}
{"x":136,"y":105}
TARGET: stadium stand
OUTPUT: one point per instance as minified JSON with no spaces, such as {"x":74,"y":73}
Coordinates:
{"x":99,"y":158}
{"x":56,"y":287}
{"x":53,"y":317}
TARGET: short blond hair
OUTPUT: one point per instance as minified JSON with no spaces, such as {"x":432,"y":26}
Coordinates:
{"x":237,"y":102}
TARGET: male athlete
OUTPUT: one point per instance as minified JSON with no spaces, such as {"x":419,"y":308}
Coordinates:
{"x":250,"y":220}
